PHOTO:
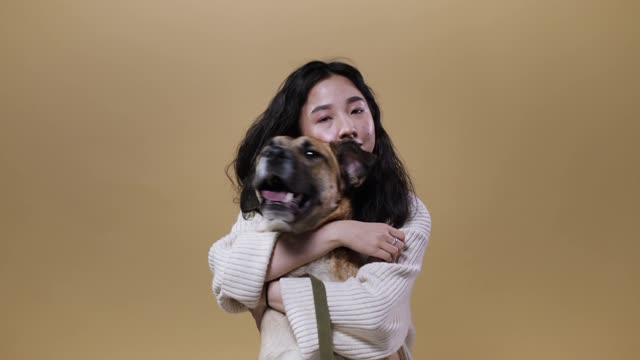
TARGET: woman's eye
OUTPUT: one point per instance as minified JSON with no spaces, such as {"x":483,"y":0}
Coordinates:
{"x":357,"y":111}
{"x":326,"y":118}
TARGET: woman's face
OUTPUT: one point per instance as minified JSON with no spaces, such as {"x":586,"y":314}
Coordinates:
{"x":336,"y":110}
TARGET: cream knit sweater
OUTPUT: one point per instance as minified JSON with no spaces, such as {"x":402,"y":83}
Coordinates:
{"x":370,"y":314}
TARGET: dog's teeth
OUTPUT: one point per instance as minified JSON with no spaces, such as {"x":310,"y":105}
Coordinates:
{"x":288,"y":198}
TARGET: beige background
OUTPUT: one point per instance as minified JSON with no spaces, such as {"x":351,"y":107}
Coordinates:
{"x":518,"y":120}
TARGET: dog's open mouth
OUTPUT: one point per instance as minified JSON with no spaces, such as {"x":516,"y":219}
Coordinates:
{"x":275,"y":193}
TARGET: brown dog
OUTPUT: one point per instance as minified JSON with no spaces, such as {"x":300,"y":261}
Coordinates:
{"x":298,"y":185}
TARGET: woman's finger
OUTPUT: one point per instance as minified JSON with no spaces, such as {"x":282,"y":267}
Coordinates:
{"x":391,"y":250}
{"x":396,"y":233}
{"x":397,"y":243}
{"x":384,"y":255}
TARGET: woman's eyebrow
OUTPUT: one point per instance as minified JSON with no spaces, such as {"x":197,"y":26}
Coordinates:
{"x":354,"y":99}
{"x":328,"y":106}
{"x":321,"y":107}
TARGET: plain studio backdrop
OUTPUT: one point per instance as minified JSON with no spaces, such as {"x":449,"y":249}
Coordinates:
{"x":518,"y":121}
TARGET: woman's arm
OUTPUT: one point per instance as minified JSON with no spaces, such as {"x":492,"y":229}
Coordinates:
{"x":244,"y":259}
{"x":292,"y":251}
{"x":370,"y":313}
{"x":371,"y":239}
{"x":239,"y":263}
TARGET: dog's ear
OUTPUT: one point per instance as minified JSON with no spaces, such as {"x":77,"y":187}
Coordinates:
{"x":355,"y":163}
{"x":248,"y":198}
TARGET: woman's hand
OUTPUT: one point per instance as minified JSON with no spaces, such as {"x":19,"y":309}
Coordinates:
{"x":372,"y":239}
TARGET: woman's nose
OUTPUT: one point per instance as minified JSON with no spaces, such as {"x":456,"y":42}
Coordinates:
{"x":347,"y":129}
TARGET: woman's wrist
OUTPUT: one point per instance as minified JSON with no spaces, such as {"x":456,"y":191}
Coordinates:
{"x":274,"y":296}
{"x":294,"y":250}
{"x":332,"y":234}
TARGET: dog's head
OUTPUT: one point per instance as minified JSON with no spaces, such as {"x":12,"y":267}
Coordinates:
{"x":299,"y":184}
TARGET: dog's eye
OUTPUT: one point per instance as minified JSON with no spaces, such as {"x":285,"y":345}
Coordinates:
{"x":311,"y":154}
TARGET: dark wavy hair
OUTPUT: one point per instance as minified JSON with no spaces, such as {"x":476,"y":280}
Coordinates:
{"x":384,"y":196}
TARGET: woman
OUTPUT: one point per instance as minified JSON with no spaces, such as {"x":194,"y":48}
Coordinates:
{"x":370,"y":314}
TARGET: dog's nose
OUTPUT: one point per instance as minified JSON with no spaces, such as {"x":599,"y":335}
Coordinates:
{"x":277,"y":152}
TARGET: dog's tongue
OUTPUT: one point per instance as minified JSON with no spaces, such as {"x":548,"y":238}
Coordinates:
{"x":279,"y":196}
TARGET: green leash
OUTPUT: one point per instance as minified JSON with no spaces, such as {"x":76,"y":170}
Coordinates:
{"x":325,"y":338}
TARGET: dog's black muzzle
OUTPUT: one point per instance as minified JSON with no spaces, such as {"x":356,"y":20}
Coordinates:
{"x":277,"y":153}
{"x":279,"y":167}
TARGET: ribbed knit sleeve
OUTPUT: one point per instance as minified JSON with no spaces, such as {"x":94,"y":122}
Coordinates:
{"x":370,"y":313}
{"x":239,"y":264}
